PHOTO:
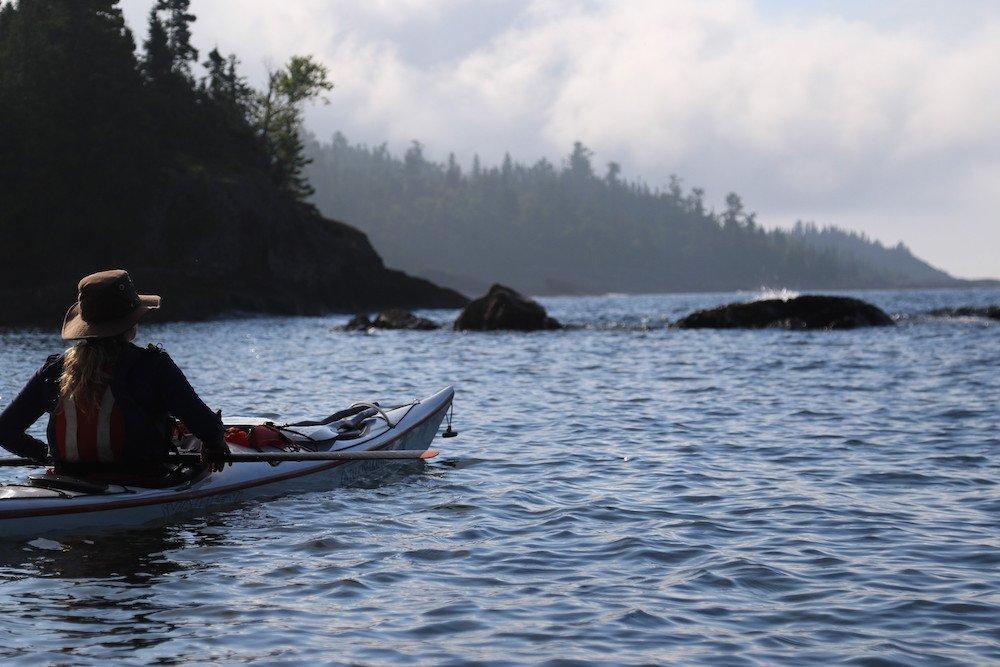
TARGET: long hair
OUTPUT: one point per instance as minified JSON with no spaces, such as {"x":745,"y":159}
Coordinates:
{"x":88,"y":368}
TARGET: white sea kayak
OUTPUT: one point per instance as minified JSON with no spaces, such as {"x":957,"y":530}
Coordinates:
{"x":29,"y":509}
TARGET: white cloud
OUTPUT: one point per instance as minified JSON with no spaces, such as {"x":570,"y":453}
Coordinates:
{"x":883,"y":124}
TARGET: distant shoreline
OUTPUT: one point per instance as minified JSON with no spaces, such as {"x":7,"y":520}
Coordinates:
{"x":989,"y":283}
{"x":243,"y":315}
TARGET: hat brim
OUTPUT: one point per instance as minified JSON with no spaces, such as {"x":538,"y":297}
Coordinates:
{"x":76,"y":328}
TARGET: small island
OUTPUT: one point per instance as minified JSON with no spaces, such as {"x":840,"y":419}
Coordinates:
{"x":801,"y":312}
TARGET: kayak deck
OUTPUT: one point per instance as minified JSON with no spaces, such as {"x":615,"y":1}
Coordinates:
{"x":32,"y":510}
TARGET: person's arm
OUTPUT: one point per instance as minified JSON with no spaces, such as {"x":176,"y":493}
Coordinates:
{"x":183,"y":402}
{"x":23,"y":411}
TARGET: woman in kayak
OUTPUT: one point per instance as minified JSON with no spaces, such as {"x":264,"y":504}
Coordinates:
{"x":111,"y":403}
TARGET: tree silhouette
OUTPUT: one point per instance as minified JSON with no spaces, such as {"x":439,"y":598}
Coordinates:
{"x":158,"y":61}
{"x":178,"y":28}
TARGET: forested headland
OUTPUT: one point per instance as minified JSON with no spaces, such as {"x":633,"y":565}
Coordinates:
{"x":572,"y":228}
{"x":165,"y":161}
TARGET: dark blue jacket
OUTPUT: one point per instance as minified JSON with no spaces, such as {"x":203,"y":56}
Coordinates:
{"x":152,"y":380}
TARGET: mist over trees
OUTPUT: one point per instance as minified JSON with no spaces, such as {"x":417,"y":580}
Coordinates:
{"x":897,"y":262}
{"x":578,"y":227}
{"x":166,"y":160}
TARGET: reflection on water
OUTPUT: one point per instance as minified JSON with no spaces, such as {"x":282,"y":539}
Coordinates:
{"x":622,"y":494}
{"x":87,"y":597}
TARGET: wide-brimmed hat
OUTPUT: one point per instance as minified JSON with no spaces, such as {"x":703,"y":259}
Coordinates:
{"x":107,"y":305}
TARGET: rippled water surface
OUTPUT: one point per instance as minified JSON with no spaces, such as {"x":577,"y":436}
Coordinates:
{"x":620,"y":494}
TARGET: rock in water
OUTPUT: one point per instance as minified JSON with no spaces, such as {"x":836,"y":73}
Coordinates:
{"x":503,"y":308}
{"x":397,"y":318}
{"x":803,"y":312}
{"x":394,"y":318}
{"x":357,"y":323}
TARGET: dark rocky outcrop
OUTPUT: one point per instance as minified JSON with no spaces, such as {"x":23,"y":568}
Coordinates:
{"x":359,"y":322}
{"x":990,"y":312}
{"x":213,"y":246}
{"x":394,"y":318}
{"x":803,"y":312}
{"x":503,"y":308}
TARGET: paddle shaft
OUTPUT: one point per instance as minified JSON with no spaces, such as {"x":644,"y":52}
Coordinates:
{"x":277,"y":457}
{"x":378,"y":455}
{"x":13,"y":463}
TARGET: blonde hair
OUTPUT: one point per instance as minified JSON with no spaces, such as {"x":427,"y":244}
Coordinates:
{"x":88,"y":368}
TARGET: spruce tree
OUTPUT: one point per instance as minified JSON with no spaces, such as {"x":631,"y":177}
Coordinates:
{"x":158,"y":62}
{"x":178,"y":28}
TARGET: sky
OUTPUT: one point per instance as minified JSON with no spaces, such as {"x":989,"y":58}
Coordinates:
{"x":882,"y":117}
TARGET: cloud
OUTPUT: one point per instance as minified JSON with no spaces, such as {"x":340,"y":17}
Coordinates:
{"x":882,"y":124}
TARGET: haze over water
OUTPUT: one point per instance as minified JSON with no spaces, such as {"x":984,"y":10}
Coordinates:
{"x":620,"y":494}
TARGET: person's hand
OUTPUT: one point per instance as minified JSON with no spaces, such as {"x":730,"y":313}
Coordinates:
{"x":215,"y":457}
{"x":30,"y":448}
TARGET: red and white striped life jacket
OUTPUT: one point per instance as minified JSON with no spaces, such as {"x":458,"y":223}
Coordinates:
{"x":89,"y":435}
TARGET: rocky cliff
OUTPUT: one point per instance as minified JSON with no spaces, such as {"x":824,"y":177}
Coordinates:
{"x":212,"y":246}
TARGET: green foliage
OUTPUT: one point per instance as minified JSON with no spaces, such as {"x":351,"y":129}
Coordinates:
{"x":548,"y":229}
{"x":302,"y":79}
{"x":278,"y":118}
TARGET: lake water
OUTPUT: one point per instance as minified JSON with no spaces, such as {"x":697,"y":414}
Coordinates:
{"x":620,"y":494}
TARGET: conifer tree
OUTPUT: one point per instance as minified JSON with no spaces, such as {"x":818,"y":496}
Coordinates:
{"x":158,"y":61}
{"x":225,"y":88}
{"x":454,"y":172}
{"x":178,"y":28}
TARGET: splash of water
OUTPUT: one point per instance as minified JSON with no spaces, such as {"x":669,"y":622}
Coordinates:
{"x":766,"y":293}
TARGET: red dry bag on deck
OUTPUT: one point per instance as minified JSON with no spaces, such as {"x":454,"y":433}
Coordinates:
{"x":264,"y":436}
{"x":237,"y":436}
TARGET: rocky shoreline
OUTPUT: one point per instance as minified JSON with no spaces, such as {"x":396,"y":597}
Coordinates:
{"x":213,"y":247}
{"x":503,"y":309}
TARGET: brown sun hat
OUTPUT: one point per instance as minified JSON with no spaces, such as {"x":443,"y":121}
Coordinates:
{"x":107,"y":305}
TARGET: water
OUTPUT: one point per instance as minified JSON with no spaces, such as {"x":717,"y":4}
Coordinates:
{"x":620,"y":494}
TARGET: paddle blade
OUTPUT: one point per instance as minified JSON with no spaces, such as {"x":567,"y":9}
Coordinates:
{"x":429,"y":454}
